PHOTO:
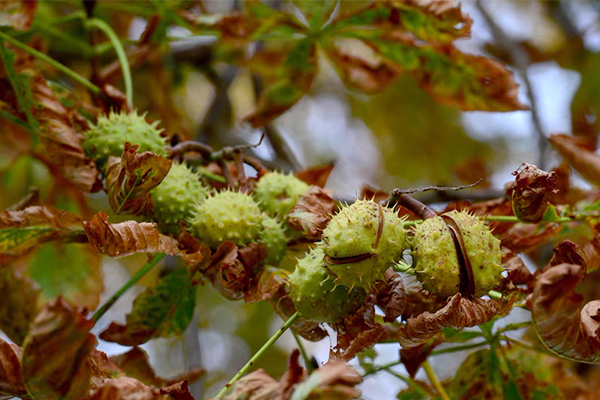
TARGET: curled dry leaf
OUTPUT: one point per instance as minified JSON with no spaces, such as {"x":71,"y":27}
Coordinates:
{"x":59,"y":142}
{"x":521,"y":236}
{"x":334,"y":380}
{"x":12,"y":382}
{"x":577,"y":152}
{"x":458,"y":313}
{"x":233,"y":269}
{"x":266,"y":284}
{"x":591,"y":253}
{"x":130,"y":237}
{"x":518,"y":273}
{"x":21,"y":231}
{"x":357,"y":332}
{"x":163,"y":310}
{"x":413,"y":357}
{"x":567,"y":252}
{"x":563,"y":325}
{"x":531,"y":191}
{"x":391,"y":297}
{"x":18,"y":307}
{"x":312,"y":212}
{"x":257,"y":385}
{"x":56,"y":353}
{"x":130,"y":179}
{"x":178,"y":391}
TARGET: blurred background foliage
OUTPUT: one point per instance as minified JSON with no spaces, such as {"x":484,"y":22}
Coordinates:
{"x":399,"y":137}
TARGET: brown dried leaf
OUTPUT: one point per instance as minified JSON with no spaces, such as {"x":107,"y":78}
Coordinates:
{"x":125,"y":388}
{"x":518,"y":272}
{"x":130,"y":179}
{"x":130,"y":237}
{"x":357,"y":332}
{"x":567,"y":252}
{"x":103,"y":370}
{"x":21,"y":231}
{"x":18,"y":14}
{"x":65,"y":371}
{"x":531,"y":191}
{"x":135,"y":364}
{"x":12,"y":382}
{"x":391,"y":297}
{"x":178,"y":391}
{"x":19,"y":304}
{"x":522,"y":236}
{"x":577,"y":152}
{"x":336,"y":381}
{"x":59,"y":142}
{"x":563,"y":325}
{"x":312,"y":212}
{"x":413,"y":357}
{"x":266,"y":284}
{"x":257,"y":385}
{"x":232,"y":269}
{"x":458,"y":313}
{"x":316,"y":176}
{"x":591,"y":253}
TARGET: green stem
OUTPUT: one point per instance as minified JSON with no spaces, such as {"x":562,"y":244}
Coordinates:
{"x":305,"y":357}
{"x":382,"y":368}
{"x":39,"y":55}
{"x":494,"y":295}
{"x":114,"y":39}
{"x":258,"y":354}
{"x":512,"y":218}
{"x":132,"y":281}
{"x":524,"y":345}
{"x":212,"y":176}
{"x":435,"y":381}
{"x":455,"y":349}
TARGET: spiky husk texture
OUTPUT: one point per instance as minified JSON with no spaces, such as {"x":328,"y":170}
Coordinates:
{"x":278,"y":193}
{"x":364,"y":227}
{"x":436,"y":262}
{"x":315,"y":294}
{"x":272,"y":235}
{"x":108,"y":136}
{"x":177,"y":195}
{"x":227,"y":215}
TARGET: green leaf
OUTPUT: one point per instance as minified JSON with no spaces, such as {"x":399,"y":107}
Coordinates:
{"x":317,"y":13}
{"x":71,"y":271}
{"x":551,"y":215}
{"x":164,"y":310}
{"x":18,"y":307}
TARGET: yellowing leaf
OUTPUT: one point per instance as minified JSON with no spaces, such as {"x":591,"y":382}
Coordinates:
{"x":21,"y":231}
{"x":56,"y":351}
{"x":163,"y":310}
{"x":131,"y":178}
{"x":18,"y":306}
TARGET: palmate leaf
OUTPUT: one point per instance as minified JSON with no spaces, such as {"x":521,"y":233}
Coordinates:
{"x":164,"y":310}
{"x":369,"y":47}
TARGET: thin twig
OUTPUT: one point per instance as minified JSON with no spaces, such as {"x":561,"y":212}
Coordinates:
{"x":31,"y":198}
{"x":188,"y":146}
{"x":258,"y":354}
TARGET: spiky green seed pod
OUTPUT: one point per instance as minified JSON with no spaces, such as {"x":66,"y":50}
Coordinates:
{"x":361,"y":242}
{"x":227,"y":215}
{"x":108,"y":136}
{"x":176,"y":196}
{"x":272,"y":235}
{"x":315,"y":294}
{"x":436,"y":260}
{"x":278,"y":193}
